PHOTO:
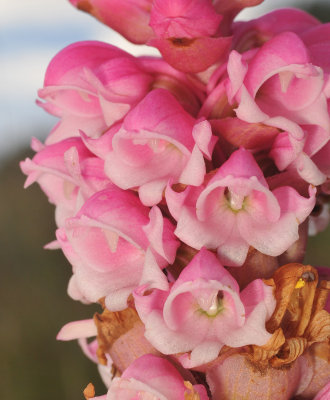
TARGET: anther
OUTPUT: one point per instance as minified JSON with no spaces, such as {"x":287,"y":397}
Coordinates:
{"x":308,"y":276}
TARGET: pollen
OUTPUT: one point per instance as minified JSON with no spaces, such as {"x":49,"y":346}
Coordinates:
{"x":300,"y":283}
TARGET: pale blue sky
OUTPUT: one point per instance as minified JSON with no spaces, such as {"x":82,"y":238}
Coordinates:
{"x":31,"y":33}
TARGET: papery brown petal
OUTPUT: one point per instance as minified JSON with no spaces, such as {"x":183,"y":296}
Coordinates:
{"x":321,"y":296}
{"x":297,"y":300}
{"x":290,"y":351}
{"x":318,"y":329}
{"x":264,"y":353}
{"x":121,"y":335}
{"x":300,"y":308}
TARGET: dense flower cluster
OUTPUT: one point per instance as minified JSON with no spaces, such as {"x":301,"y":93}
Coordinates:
{"x":183,"y":187}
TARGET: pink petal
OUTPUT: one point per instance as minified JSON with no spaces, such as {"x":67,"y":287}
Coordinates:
{"x":192,"y":55}
{"x":77,"y":330}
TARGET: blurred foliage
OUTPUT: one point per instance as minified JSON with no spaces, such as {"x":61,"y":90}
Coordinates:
{"x":320,"y":10}
{"x":34,"y":304}
{"x":318,"y":249}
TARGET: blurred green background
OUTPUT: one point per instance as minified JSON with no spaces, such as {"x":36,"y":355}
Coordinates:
{"x":34,"y":304}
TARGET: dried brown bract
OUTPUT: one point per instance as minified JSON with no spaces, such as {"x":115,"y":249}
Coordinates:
{"x":299,"y":319}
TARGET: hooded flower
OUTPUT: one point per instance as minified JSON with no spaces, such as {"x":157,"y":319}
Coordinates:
{"x":236,"y":209}
{"x":114,"y":244}
{"x":203,"y":311}
{"x":283,"y":85}
{"x":159,"y":141}
{"x":91,"y":85}
{"x":67,"y":172}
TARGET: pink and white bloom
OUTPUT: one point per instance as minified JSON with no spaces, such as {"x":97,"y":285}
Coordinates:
{"x":281,"y":85}
{"x":67,"y":172}
{"x":114,"y":244}
{"x":236,"y":210}
{"x":153,"y":378}
{"x":203,"y":311}
{"x":90,"y":85}
{"x":158,"y":142}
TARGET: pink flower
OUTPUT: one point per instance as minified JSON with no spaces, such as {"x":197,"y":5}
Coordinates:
{"x":203,"y":311}
{"x":91,"y":85}
{"x":129,"y":17}
{"x":188,"y":33}
{"x":315,"y":35}
{"x":114,"y":244}
{"x":253,"y":33}
{"x":151,"y":377}
{"x":236,"y":210}
{"x":67,"y":172}
{"x":159,"y":142}
{"x":278,"y":85}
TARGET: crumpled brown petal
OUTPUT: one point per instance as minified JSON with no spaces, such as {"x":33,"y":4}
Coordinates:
{"x":289,"y":352}
{"x":299,"y":319}
{"x":262,"y":354}
{"x":319,"y":327}
{"x":110,"y":326}
{"x":293,"y":301}
{"x":121,"y":335}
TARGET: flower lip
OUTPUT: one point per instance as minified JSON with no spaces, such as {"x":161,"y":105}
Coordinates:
{"x":206,"y":297}
{"x":236,"y":201}
{"x":215,"y":305}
